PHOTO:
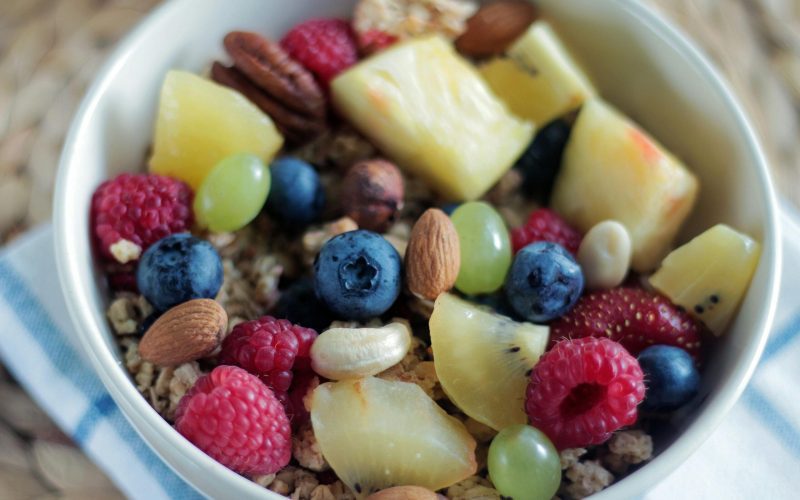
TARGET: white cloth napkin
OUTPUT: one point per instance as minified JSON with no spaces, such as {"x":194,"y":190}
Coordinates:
{"x":755,"y":453}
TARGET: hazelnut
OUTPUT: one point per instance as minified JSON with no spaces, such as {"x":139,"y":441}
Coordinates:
{"x":372,"y":194}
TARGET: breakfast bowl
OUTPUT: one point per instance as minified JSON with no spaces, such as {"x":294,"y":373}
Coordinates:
{"x":638,"y":62}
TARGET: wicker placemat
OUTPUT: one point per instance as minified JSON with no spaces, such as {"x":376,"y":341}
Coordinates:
{"x":49,"y":50}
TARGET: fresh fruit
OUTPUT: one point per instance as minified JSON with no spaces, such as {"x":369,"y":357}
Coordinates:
{"x":541,"y":161}
{"x":444,"y":126}
{"x":524,"y":464}
{"x":545,"y":225}
{"x":303,"y":384}
{"x":544,"y":282}
{"x":377,"y":433}
{"x":358,"y":275}
{"x":495,"y":26}
{"x":483,"y":360}
{"x":671,"y":377}
{"x":131,"y":212}
{"x":372,"y":194}
{"x":404,"y":493}
{"x":177,"y":269}
{"x":200,"y":123}
{"x":300,"y":305}
{"x":296,"y":197}
{"x":373,"y":40}
{"x":485,"y":248}
{"x":709,"y":275}
{"x":267,"y":347}
{"x":633,"y":317}
{"x":582,"y":390}
{"x":605,"y":255}
{"x":326,"y":47}
{"x":537,"y":78}
{"x":613,"y":170}
{"x":232,"y":194}
{"x":433,"y":255}
{"x":187,"y":332}
{"x":236,"y":420}
{"x":346,"y":353}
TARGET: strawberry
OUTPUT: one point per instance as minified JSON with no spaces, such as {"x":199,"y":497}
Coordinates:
{"x":631,"y":316}
{"x":326,"y":47}
{"x":545,"y":225}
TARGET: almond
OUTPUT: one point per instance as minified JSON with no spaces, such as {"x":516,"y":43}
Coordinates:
{"x":186,"y":332}
{"x":495,"y":26}
{"x":404,"y":493}
{"x":433,"y":256}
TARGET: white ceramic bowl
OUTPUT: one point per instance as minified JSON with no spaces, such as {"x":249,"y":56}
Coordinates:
{"x":638,"y":61}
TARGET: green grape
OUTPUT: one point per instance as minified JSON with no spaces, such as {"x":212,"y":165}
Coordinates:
{"x":485,"y":248}
{"x":524,"y":464}
{"x":232,"y":194}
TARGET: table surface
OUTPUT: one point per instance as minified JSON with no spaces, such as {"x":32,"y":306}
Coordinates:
{"x":50,"y":49}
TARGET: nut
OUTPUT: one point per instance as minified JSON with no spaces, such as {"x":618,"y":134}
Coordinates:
{"x":265,"y":74}
{"x":184,"y":333}
{"x":605,"y":255}
{"x":433,"y":256}
{"x":372,"y":194}
{"x":347,"y":353}
{"x":495,"y":26}
{"x":404,"y":493}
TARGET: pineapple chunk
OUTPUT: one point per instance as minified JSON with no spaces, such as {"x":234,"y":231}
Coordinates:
{"x":537,"y":78}
{"x":614,"y":170}
{"x":200,"y":123}
{"x":709,"y":275}
{"x":378,"y":433}
{"x":429,"y":110}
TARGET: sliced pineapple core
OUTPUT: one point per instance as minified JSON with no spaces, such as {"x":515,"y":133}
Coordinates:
{"x":200,"y":123}
{"x":709,"y":275}
{"x":537,"y":78}
{"x":614,"y":170}
{"x":378,"y":433}
{"x":483,"y":360}
{"x":430,"y":111}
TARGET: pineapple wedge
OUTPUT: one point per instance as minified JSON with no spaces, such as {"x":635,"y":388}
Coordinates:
{"x":537,"y":78}
{"x":200,"y":123}
{"x":378,"y":433}
{"x":709,"y":275}
{"x":430,"y":111}
{"x":614,"y":170}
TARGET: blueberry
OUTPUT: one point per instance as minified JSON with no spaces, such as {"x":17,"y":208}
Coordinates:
{"x":296,"y":197}
{"x":179,"y":268}
{"x":671,"y":377}
{"x":544,"y":282}
{"x":541,"y":161}
{"x":299,"y":304}
{"x":358,"y":274}
{"x":449,"y":208}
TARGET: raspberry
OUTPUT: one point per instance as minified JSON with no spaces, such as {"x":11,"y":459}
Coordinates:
{"x":267,"y":347}
{"x":237,"y":421}
{"x":545,"y":225}
{"x":303,"y":383}
{"x":583,"y":390}
{"x":372,"y":41}
{"x":131,"y":212}
{"x":326,"y":47}
{"x":631,"y":316}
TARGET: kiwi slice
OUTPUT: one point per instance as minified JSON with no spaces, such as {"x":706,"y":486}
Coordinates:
{"x":484,"y":360}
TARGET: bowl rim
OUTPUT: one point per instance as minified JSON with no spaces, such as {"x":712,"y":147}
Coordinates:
{"x":146,"y":421}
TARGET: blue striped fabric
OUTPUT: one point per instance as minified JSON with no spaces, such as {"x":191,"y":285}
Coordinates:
{"x":754,"y":453}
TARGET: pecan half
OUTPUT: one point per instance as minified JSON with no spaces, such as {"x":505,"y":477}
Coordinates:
{"x":281,"y":87}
